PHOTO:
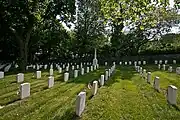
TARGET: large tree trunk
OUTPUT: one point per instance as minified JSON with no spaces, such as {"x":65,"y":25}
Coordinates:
{"x":23,"y":48}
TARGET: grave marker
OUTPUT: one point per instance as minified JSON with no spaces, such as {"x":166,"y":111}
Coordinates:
{"x":1,"y":75}
{"x":20,"y":77}
{"x":170,"y":69}
{"x":82,"y":71}
{"x":50,"y":81}
{"x":24,"y":90}
{"x":102,"y":80}
{"x":87,"y":70}
{"x":75,"y":73}
{"x":95,"y":87}
{"x":156,"y":84}
{"x":51,"y":72}
{"x":106,"y":75}
{"x":38,"y":74}
{"x":66,"y":76}
{"x":148,"y":77}
{"x":80,"y":103}
{"x":172,"y":94}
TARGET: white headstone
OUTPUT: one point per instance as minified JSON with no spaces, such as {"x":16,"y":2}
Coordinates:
{"x":80,"y":103}
{"x":164,"y":67}
{"x":144,"y":73}
{"x":63,"y":66}
{"x":59,"y":69}
{"x":51,"y":72}
{"x":24,"y":90}
{"x":67,"y":68}
{"x":178,"y":70}
{"x":125,"y":63}
{"x":170,"y":69}
{"x":156,"y":62}
{"x":144,"y":62}
{"x":139,"y":62}
{"x":38,"y":74}
{"x":120,"y":63}
{"x":102,"y":80}
{"x":159,"y":66}
{"x":66,"y":76}
{"x":135,"y":63}
{"x":1,"y":75}
{"x":81,"y":65}
{"x":73,"y":67}
{"x":45,"y":67}
{"x":105,"y":63}
{"x":95,"y":87}
{"x":51,"y":67}
{"x":75,"y":73}
{"x":20,"y":77}
{"x":148,"y":77}
{"x":87,"y":70}
{"x":160,"y":61}
{"x":106,"y":75}
{"x":140,"y":70}
{"x":77,"y":66}
{"x":172,"y":94}
{"x":156,"y":84}
{"x":91,"y":68}
{"x":166,"y":61}
{"x":130,"y":62}
{"x":94,"y":67}
{"x":82,"y":71}
{"x":174,"y":61}
{"x":50,"y":81}
{"x":109,"y":73}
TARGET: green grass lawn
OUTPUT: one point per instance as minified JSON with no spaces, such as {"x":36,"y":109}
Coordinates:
{"x":125,"y":96}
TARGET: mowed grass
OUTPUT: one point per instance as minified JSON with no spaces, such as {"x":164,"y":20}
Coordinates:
{"x":125,"y":96}
{"x":43,"y":103}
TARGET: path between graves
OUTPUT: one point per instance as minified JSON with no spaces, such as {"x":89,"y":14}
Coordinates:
{"x":50,"y":103}
{"x":128,"y":96}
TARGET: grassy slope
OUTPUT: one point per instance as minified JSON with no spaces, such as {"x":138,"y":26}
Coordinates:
{"x":48,"y":103}
{"x":127,"y":96}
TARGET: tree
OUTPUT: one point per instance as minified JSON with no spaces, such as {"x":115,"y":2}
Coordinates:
{"x":89,"y":27}
{"x":21,"y":17}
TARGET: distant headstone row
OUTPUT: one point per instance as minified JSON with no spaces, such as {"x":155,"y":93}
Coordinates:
{"x":165,"y":62}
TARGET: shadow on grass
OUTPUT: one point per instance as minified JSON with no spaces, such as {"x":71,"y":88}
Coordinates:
{"x":68,"y":115}
{"x":176,"y":107}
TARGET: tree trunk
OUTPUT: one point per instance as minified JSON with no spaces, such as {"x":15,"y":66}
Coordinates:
{"x":23,"y":47}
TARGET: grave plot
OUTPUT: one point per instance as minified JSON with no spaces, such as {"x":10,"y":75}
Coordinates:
{"x":128,"y":96}
{"x":10,"y":87}
{"x":57,"y":100}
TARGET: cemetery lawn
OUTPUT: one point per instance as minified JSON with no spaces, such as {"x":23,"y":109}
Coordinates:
{"x":125,"y":96}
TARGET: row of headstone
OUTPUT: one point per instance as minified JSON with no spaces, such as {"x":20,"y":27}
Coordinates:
{"x":82,"y":71}
{"x":165,"y":62}
{"x":171,"y":92}
{"x":81,"y":98}
{"x":64,"y":66}
{"x":170,"y":69}
{"x":25,"y":87}
{"x":130,"y":63}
